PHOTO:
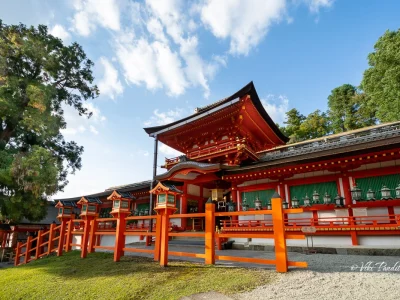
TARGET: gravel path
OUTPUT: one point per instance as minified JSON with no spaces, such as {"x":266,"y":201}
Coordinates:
{"x":335,"y":277}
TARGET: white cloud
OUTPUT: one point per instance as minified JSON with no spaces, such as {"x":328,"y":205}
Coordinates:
{"x":276,"y":107}
{"x":91,"y":13}
{"x":93,"y":130}
{"x":60,"y":32}
{"x":162,"y":118}
{"x":80,"y":124}
{"x":109,"y":85}
{"x":168,"y":151}
{"x":315,"y":5}
{"x":245,"y":23}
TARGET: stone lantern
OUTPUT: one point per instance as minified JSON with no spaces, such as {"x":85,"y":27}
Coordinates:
{"x":65,"y":210}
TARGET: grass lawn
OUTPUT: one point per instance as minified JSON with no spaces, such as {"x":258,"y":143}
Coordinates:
{"x":98,"y":277}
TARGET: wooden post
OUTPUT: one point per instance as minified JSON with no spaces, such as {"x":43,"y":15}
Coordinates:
{"x":164,"y":238}
{"x":39,"y":241}
{"x":279,"y":234}
{"x":17,"y":254}
{"x":184,"y":206}
{"x":210,"y":234}
{"x":234,"y":200}
{"x":68,"y":239}
{"x":158,"y":238}
{"x":28,"y":249}
{"x":119,"y":236}
{"x":85,"y":238}
{"x":60,"y":246}
{"x":92,"y":238}
{"x":51,"y":237}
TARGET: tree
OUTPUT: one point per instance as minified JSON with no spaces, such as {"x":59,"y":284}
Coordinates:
{"x":381,"y":81}
{"x":38,"y":74}
{"x":350,"y":109}
{"x":293,"y":122}
{"x":314,"y":126}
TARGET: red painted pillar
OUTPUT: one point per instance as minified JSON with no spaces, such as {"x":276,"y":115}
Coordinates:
{"x":279,"y":235}
{"x":234,"y":199}
{"x":157,"y":243}
{"x":346,"y":189}
{"x":68,"y":239}
{"x":51,"y":237}
{"x":85,"y":237}
{"x":210,"y":234}
{"x":28,"y":249}
{"x":92,"y":236}
{"x":164,"y":237}
{"x":184,"y":205}
{"x":17,"y":254}
{"x":62,"y":237}
{"x":120,"y":236}
{"x":38,"y":244}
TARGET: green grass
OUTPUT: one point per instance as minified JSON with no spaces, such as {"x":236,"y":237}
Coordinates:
{"x":98,"y":277}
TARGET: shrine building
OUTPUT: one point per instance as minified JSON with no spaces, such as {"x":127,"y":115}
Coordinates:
{"x":233,"y":153}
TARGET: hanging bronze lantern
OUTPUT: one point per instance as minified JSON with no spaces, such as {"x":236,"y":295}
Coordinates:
{"x":306,"y":201}
{"x":355,"y":193}
{"x":285,"y":205}
{"x":370,"y":195}
{"x":398,"y":192}
{"x":269,"y":205}
{"x":295,"y":202}
{"x":245,"y":206}
{"x":327,"y":198}
{"x":257,"y":204}
{"x":315,"y":197}
{"x":339,"y":201}
{"x":385,"y":192}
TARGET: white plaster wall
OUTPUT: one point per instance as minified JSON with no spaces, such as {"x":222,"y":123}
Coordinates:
{"x":319,"y":241}
{"x":76,"y":239}
{"x":381,"y":241}
{"x":193,"y":190}
{"x":177,"y":221}
{"x":328,"y":215}
{"x":379,"y":211}
{"x":397,"y":210}
{"x":206,"y":193}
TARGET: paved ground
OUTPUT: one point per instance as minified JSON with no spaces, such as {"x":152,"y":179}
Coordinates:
{"x":327,"y":276}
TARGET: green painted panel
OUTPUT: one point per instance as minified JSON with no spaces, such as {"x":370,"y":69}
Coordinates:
{"x":300,"y":191}
{"x":264,"y":196}
{"x":376,"y":183}
{"x":142,"y":206}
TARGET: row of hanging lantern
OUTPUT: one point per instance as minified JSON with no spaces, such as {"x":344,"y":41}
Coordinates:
{"x":356,"y":193}
{"x":258,"y":204}
{"x":327,"y":199}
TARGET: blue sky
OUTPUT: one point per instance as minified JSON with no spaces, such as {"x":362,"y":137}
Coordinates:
{"x":158,"y":60}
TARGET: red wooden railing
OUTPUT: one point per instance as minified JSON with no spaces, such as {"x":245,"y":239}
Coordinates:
{"x":59,"y":239}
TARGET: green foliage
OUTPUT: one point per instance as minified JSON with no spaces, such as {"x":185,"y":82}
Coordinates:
{"x":37,"y":75}
{"x":292,"y":129}
{"x":381,"y":81}
{"x":315,"y":125}
{"x":349,"y":109}
{"x":98,"y":277}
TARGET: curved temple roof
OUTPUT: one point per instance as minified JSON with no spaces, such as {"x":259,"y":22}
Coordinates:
{"x":249,"y":89}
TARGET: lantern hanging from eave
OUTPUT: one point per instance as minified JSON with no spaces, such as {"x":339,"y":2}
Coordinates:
{"x":398,"y":192}
{"x":306,"y":201}
{"x":385,"y":192}
{"x":327,"y":198}
{"x":339,"y":201}
{"x":355,"y":193}
{"x":295,"y":202}
{"x":370,"y":195}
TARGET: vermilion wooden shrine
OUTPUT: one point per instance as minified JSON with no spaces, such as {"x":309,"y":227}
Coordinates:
{"x":348,"y":184}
